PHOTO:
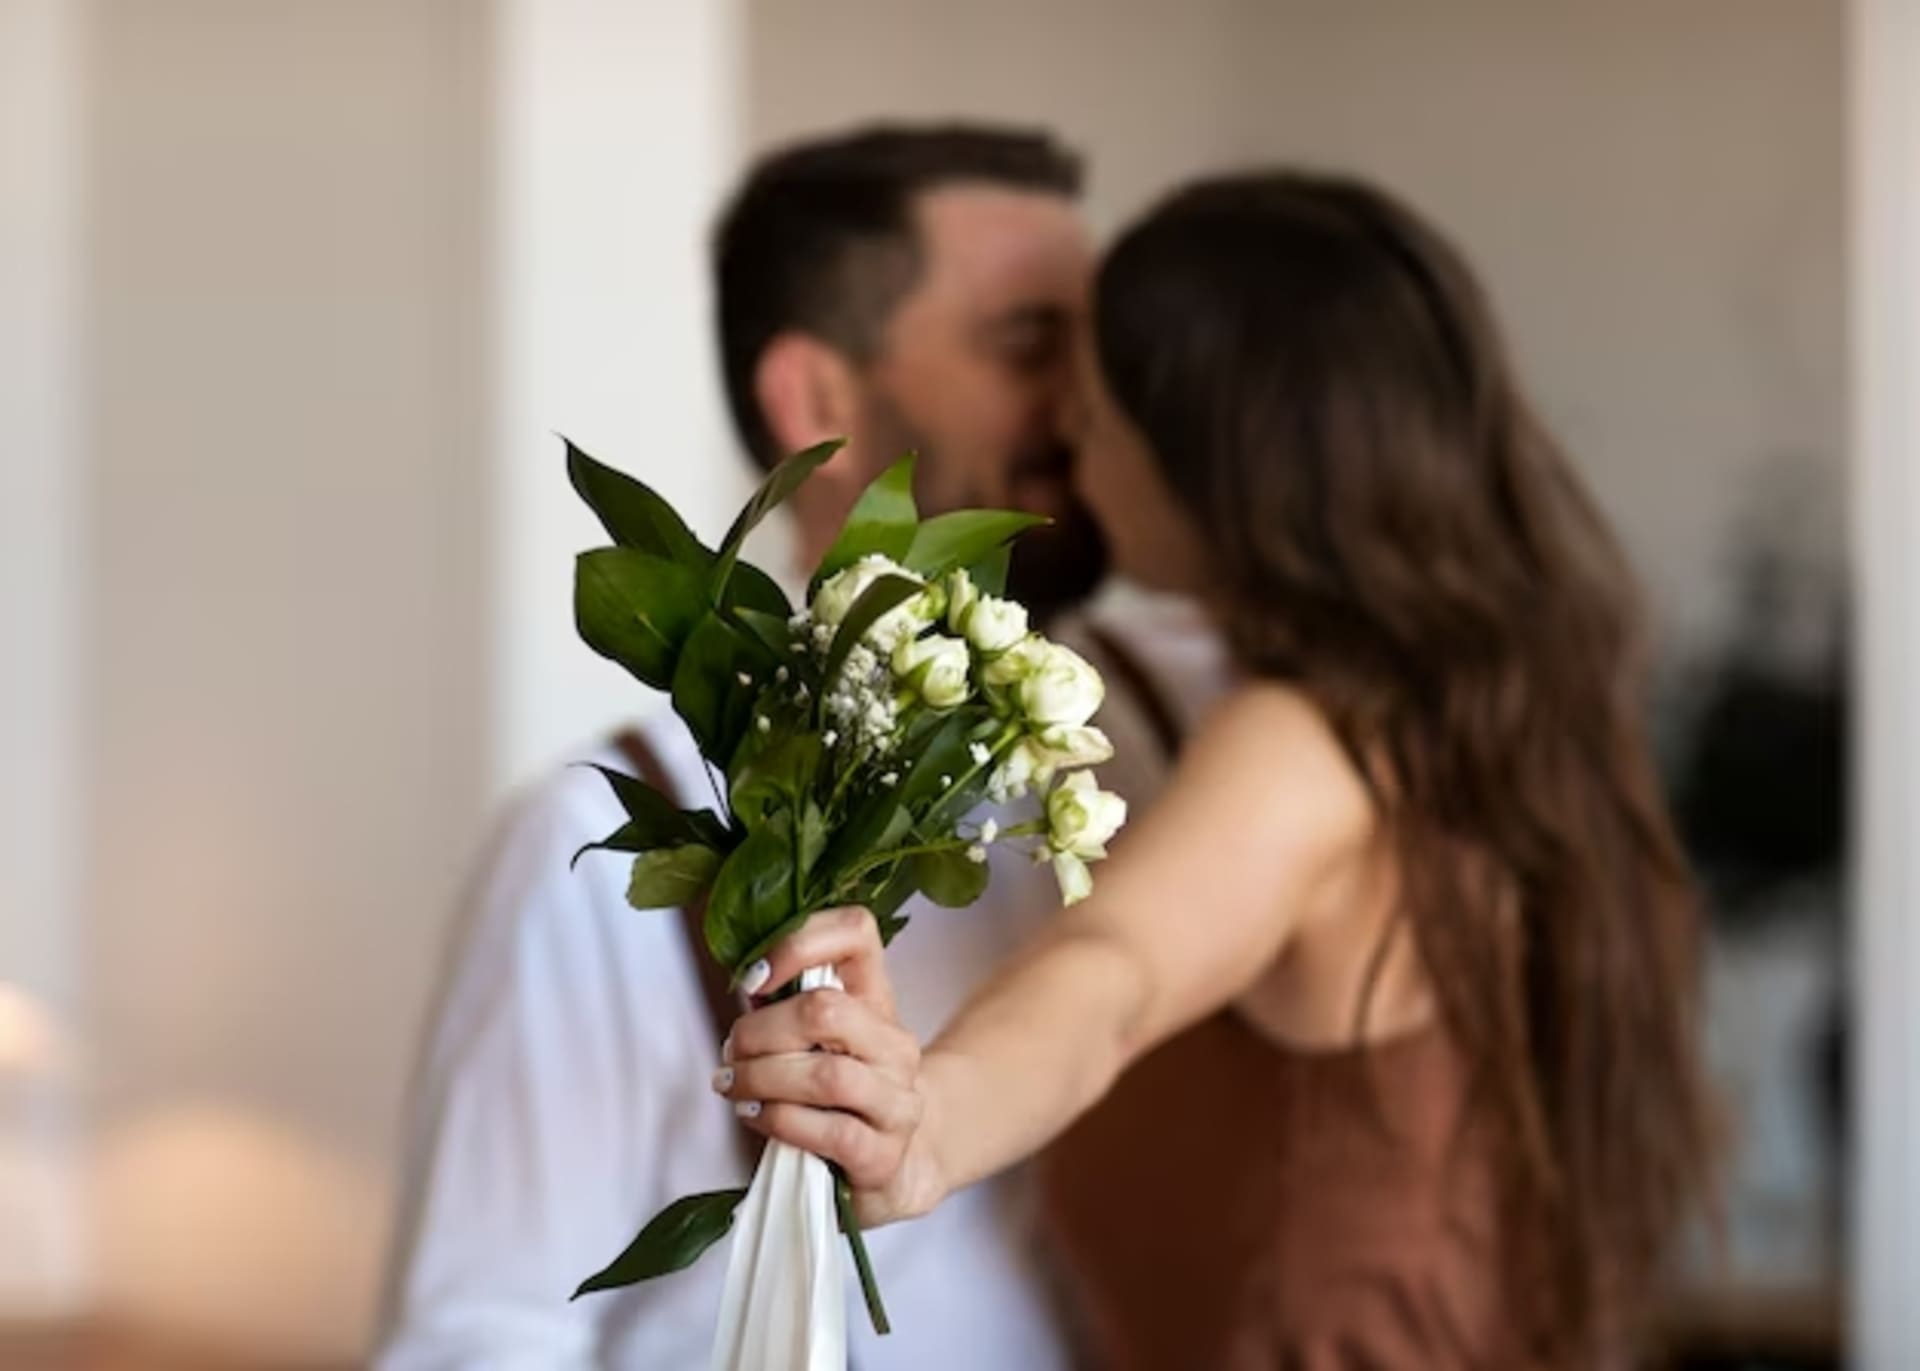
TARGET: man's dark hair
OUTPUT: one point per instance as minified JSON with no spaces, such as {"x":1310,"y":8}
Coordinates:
{"x":821,"y":238}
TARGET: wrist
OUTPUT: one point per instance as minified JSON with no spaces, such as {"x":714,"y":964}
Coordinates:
{"x":928,"y":1176}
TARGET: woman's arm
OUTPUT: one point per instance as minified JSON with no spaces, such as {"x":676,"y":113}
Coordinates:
{"x":1197,"y":902}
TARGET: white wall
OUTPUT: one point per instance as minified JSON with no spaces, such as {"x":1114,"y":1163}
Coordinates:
{"x":348,"y":263}
{"x":1886,"y":300}
{"x":288,"y":702}
{"x":617,"y":136}
{"x":1654,"y":192}
{"x":41,"y":488}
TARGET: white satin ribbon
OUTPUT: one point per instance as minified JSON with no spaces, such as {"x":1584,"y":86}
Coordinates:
{"x":785,"y":1304}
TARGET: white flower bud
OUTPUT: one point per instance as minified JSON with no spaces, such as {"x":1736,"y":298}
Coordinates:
{"x":1076,"y":882}
{"x":1018,"y":772}
{"x":980,"y":752}
{"x":1070,"y":748}
{"x":989,"y":831}
{"x":976,"y":853}
{"x":961,"y":595}
{"x":937,"y":669}
{"x":1082,"y":818}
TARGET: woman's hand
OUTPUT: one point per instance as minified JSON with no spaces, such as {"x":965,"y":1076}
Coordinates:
{"x":833,"y":1071}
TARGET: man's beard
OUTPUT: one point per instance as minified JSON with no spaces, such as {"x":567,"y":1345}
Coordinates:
{"x":1057,"y":566}
{"x":1054,"y":567}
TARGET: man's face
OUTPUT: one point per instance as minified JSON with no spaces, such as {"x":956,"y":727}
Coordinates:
{"x":975,"y":365}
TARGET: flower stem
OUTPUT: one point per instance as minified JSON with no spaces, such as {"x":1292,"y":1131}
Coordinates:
{"x":1008,"y":735}
{"x":879,"y":859}
{"x":862,"y":1265}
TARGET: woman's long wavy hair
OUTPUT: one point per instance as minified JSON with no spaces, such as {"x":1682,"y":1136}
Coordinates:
{"x":1323,"y":385}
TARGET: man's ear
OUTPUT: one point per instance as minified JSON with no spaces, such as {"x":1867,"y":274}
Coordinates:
{"x":807,"y":392}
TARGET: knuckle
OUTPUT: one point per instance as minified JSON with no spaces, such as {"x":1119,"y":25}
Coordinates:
{"x":820,"y":1013}
{"x":844,"y":1139}
{"x":832,"y":1076}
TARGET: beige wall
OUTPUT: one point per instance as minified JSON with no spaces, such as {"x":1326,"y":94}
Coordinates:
{"x":1653,"y":191}
{"x":287,"y":617}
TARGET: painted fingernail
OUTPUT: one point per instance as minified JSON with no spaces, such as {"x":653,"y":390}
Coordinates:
{"x":755,"y":978}
{"x":723,"y":1079}
{"x":747,"y":1109}
{"x":726,"y":1048}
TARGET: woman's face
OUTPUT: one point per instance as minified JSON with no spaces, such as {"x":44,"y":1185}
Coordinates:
{"x":1151,"y":537}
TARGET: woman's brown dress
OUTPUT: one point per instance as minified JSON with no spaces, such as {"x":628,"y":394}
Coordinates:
{"x":1241,"y":1205}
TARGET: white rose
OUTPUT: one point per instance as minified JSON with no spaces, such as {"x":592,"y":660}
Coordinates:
{"x":936,"y":668}
{"x":1070,"y":748}
{"x":839,"y":592}
{"x":1063,"y":690}
{"x":1082,"y":818}
{"x":993,"y":625}
{"x":1076,"y":882}
{"x":1017,"y":662}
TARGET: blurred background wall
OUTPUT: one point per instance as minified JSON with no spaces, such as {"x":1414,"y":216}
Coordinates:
{"x":292,"y":296}
{"x":1655,"y":193}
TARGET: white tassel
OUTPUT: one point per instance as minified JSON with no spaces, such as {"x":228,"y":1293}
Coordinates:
{"x":785,"y":1304}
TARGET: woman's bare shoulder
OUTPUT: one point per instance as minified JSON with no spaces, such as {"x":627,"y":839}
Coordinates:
{"x":1269,"y":748}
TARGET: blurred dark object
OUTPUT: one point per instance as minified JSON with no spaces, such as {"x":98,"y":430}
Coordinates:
{"x":1762,"y":800}
{"x":1760,"y":796}
{"x":1780,"y":1330}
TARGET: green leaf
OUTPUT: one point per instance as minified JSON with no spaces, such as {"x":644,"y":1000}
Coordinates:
{"x":636,"y":609}
{"x":883,"y":594}
{"x":989,"y":573}
{"x":886,"y":902}
{"x":752,"y":896}
{"x":964,"y":537}
{"x":944,"y":754}
{"x":950,"y":879}
{"x":778,"y":777}
{"x":752,"y":590}
{"x":633,"y":515}
{"x":707,"y":690}
{"x":774,"y":635}
{"x":781,"y":482}
{"x":813,"y":837}
{"x":671,"y":877}
{"x":762,"y":945}
{"x":671,"y":1241}
{"x":882,"y":521}
{"x":875,"y":825}
{"x":653,"y":820}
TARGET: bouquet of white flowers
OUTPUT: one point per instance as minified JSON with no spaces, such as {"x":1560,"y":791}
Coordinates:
{"x":850,"y":743}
